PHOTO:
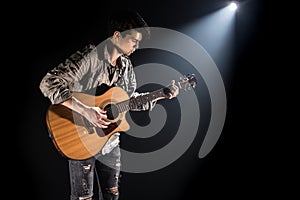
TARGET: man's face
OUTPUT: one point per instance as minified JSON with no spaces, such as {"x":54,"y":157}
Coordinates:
{"x":130,"y":42}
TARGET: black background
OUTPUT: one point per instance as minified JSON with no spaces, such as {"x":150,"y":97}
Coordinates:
{"x":46,"y":33}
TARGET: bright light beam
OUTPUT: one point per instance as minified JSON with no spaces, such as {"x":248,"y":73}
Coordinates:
{"x":216,"y":33}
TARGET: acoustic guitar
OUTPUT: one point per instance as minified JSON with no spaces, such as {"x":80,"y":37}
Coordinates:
{"x":76,"y":138}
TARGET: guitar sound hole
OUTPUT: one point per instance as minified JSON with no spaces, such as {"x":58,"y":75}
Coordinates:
{"x":112,"y":111}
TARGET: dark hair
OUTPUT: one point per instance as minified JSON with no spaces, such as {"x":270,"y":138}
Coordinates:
{"x":125,"y":20}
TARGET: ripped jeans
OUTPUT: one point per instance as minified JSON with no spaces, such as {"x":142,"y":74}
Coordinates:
{"x":105,"y":168}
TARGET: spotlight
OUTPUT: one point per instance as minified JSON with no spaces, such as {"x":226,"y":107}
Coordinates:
{"x":233,"y":6}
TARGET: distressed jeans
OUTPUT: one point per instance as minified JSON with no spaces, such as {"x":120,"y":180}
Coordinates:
{"x":106,"y":170}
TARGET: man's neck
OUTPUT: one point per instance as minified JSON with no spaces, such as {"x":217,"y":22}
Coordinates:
{"x":114,"y":53}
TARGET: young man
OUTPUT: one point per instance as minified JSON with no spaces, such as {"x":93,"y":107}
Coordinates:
{"x":107,"y":64}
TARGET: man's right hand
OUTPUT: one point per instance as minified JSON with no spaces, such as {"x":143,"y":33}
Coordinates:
{"x":96,"y":116}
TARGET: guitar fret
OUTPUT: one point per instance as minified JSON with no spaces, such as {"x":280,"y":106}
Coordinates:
{"x":123,"y":106}
{"x":120,"y":107}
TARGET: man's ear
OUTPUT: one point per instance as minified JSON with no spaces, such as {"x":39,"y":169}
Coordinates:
{"x":117,"y":34}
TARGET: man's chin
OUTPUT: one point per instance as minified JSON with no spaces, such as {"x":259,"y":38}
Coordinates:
{"x":128,"y":54}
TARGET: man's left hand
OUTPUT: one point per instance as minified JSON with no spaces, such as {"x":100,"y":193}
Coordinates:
{"x":174,"y":89}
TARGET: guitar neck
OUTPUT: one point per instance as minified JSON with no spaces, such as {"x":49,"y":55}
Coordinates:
{"x":136,"y":102}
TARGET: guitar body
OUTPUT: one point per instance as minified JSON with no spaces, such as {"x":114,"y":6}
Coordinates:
{"x":74,"y":136}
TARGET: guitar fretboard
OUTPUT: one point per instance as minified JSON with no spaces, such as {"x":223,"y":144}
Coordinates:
{"x":136,"y":102}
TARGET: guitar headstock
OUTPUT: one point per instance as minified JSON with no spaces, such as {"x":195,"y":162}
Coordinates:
{"x":187,"y":82}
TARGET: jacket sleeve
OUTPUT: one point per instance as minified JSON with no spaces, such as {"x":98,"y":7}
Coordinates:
{"x":59,"y":82}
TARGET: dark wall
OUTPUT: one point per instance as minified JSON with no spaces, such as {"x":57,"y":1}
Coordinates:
{"x":47,"y":33}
